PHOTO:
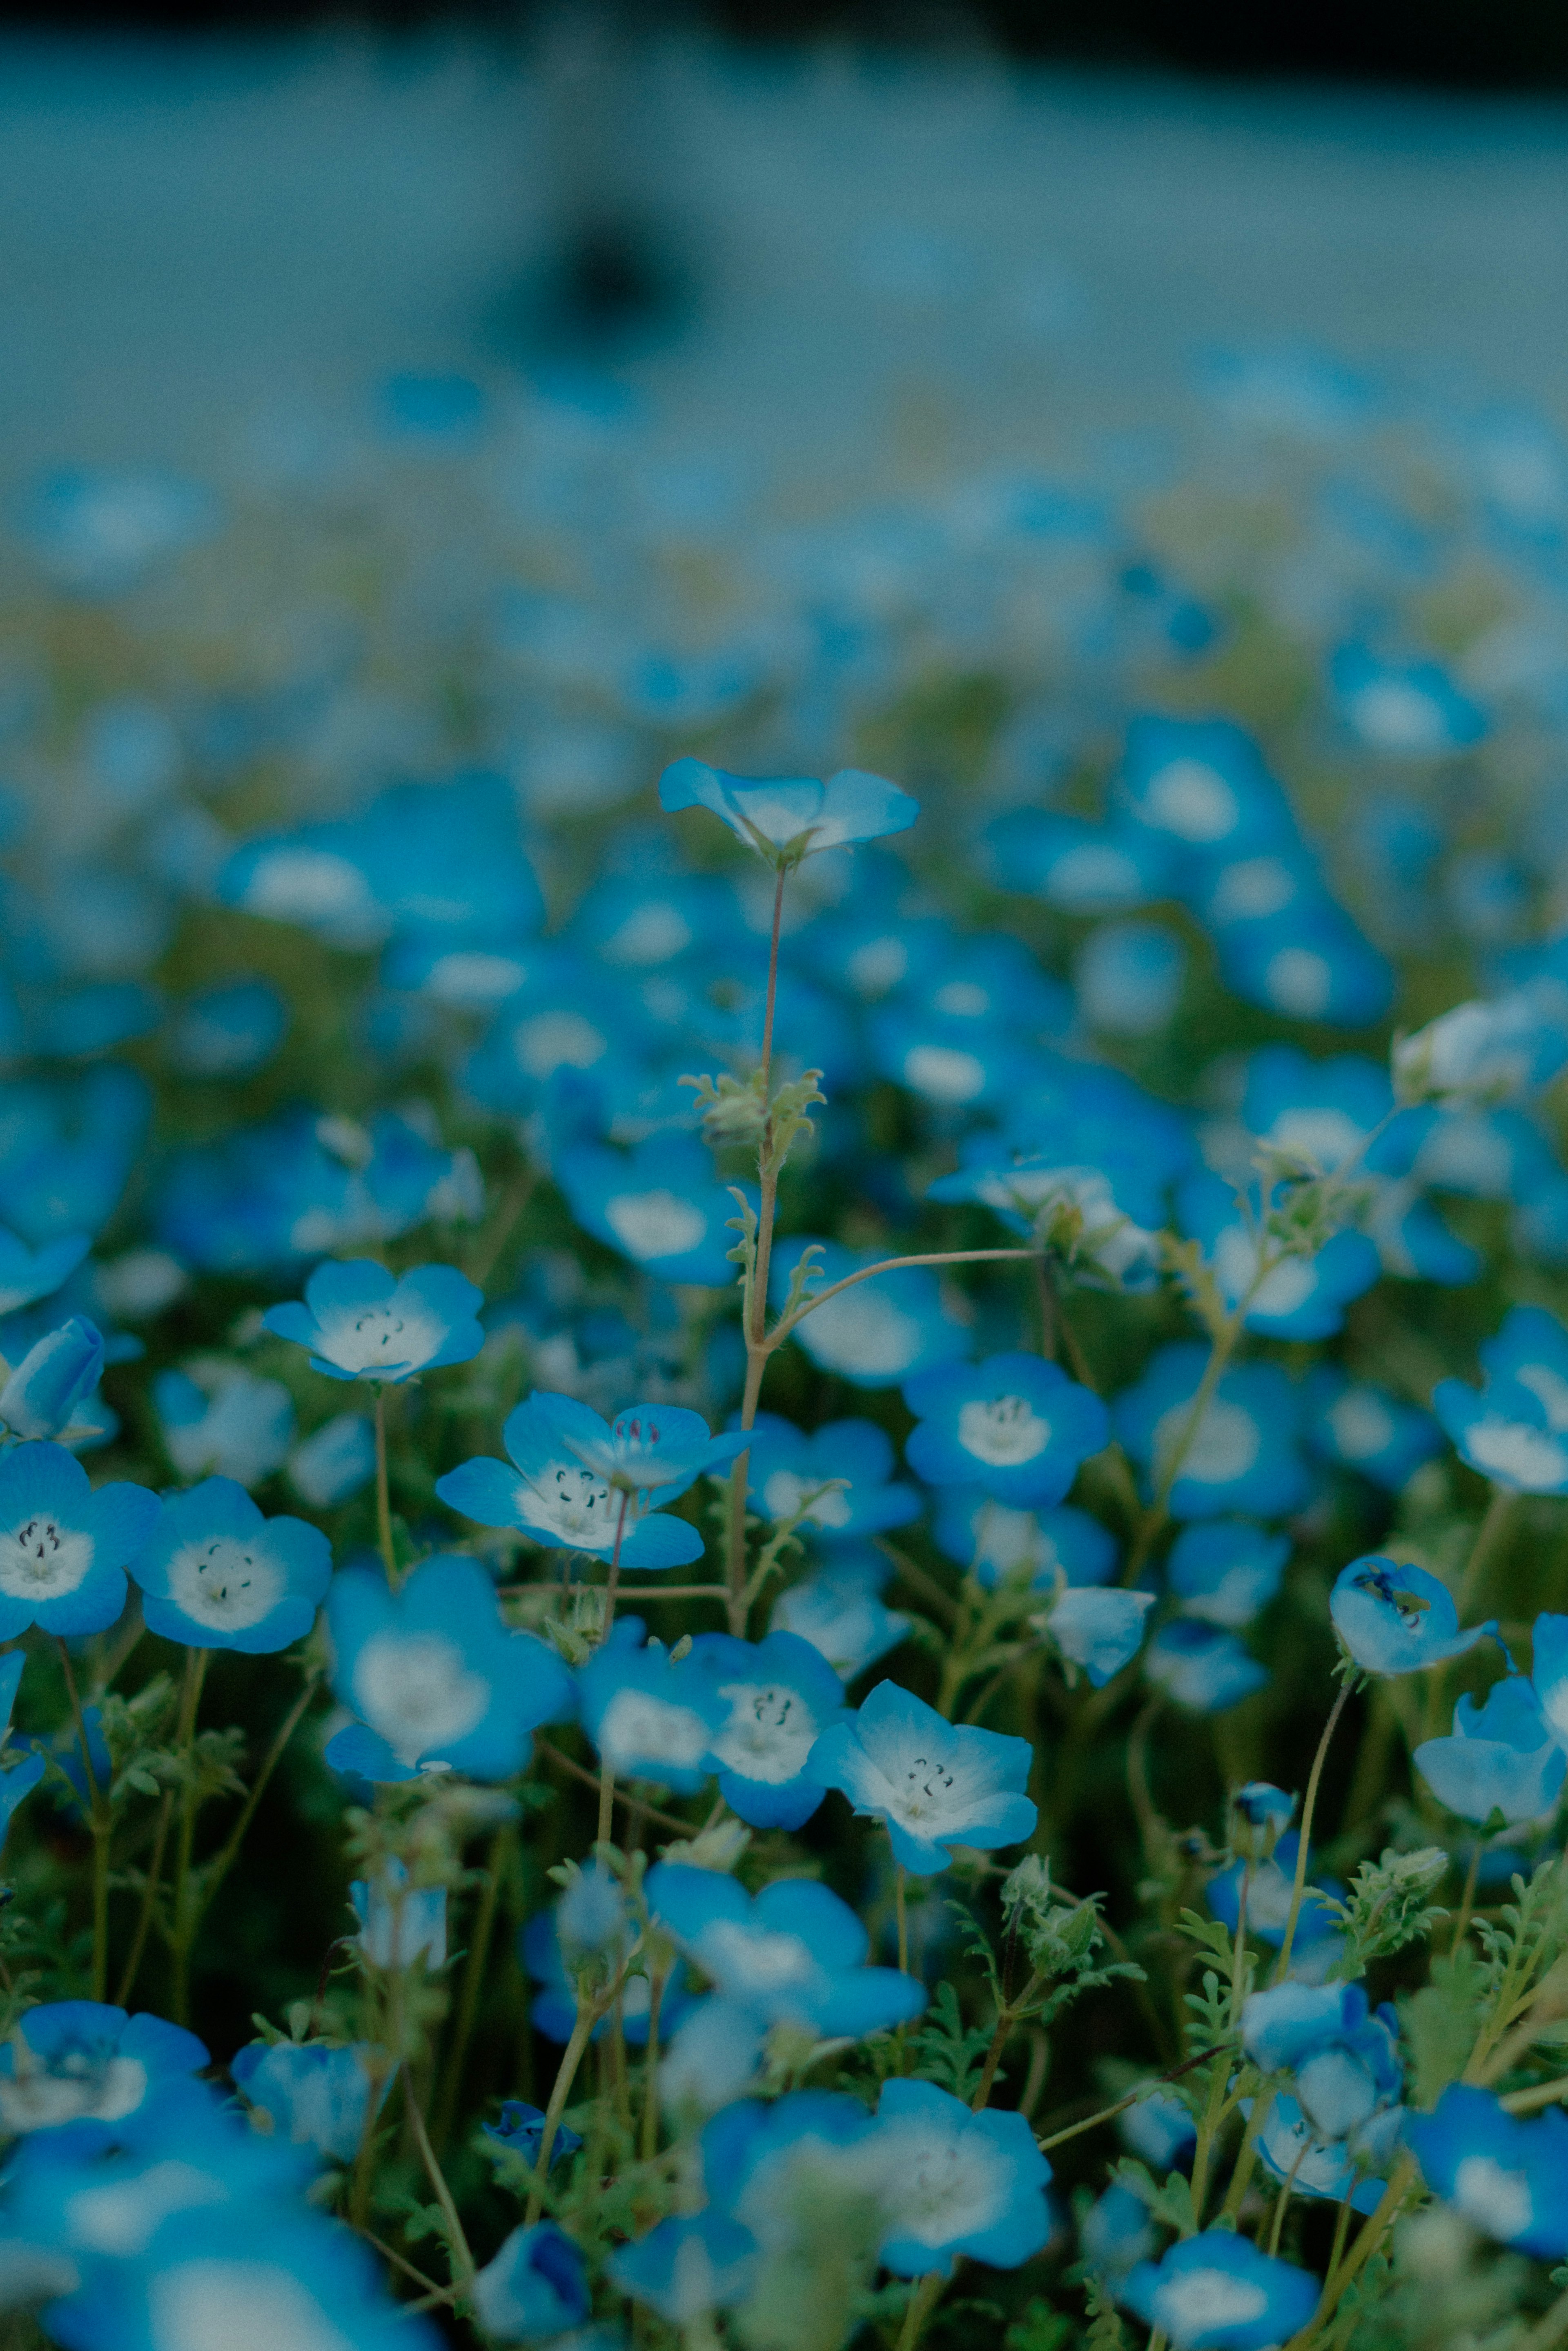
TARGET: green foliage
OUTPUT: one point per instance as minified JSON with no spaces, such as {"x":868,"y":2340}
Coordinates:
{"x":1387,"y":1907}
{"x":945,"y":2049}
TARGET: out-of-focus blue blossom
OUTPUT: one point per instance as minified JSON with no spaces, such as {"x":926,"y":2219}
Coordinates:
{"x":218,"y":1575}
{"x":1159,"y":2130}
{"x":1269,"y":1887}
{"x":781,"y":1695}
{"x":334,"y":1462}
{"x":1096,"y":1629}
{"x":1116,"y":2231}
{"x":1501,"y":1757}
{"x":29,"y":1274}
{"x":794,"y":1953}
{"x":1515,"y":1429}
{"x":1299,"y":1298}
{"x":520,"y":2129}
{"x":877,"y":1333}
{"x":66,"y":1147}
{"x":362,"y":1322}
{"x":1487,"y":1051}
{"x":1395,"y":1619}
{"x":785,"y":818}
{"x":592,"y":1925}
{"x":1308,"y":964}
{"x":1289,"y":2149}
{"x":435,"y":1677}
{"x":1076,"y":866}
{"x":658,"y":1205}
{"x":1505,"y":2175}
{"x":1202,"y":784}
{"x":685,"y":2267}
{"x":1000,"y":1544}
{"x":787,"y":1468}
{"x":1129,"y":978}
{"x":229,"y":1421}
{"x":955,"y":2182}
{"x":44,"y":1397}
{"x":75,"y":1024}
{"x":1216,"y":2292}
{"x":399,"y":1926}
{"x":1363,"y":1428}
{"x":1403,"y":709}
{"x":649,"y":1719}
{"x":1341,"y":2058}
{"x":839,"y":1610}
{"x":228,"y":1031}
{"x":933,"y":1784}
{"x":63,"y":1546}
{"x":1243,"y":1455}
{"x":1202,"y":1667}
{"x":1224,"y":1570}
{"x":65,"y":1750}
{"x":1014,"y":1426}
{"x":82,"y":2061}
{"x":315,"y":2093}
{"x":98,"y":530}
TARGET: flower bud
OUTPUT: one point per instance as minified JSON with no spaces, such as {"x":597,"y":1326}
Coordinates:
{"x":41,"y":1395}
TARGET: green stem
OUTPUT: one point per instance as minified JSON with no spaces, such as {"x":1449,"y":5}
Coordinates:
{"x":1468,"y":1903}
{"x":588,"y":2016}
{"x":650,"y":2135}
{"x":457,"y":2243}
{"x":809,"y":1305}
{"x":149,"y":1902}
{"x":922,"y":2302}
{"x":100,"y":1821}
{"x":1300,"y":1884}
{"x":1488,"y":1538}
{"x":181,"y":1924}
{"x":1349,"y":2267}
{"x":472,"y":1978}
{"x":384,"y":1491}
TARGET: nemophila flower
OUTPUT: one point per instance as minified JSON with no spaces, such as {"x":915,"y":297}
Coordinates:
{"x":286,"y":2275}
{"x":1202,"y":783}
{"x":1395,"y":1619}
{"x":219,"y":1575}
{"x":400,"y":1925}
{"x":949,"y":1060}
{"x":1242,"y":1456}
{"x":1308,"y":962}
{"x":1259,"y":1815}
{"x":685,"y":2267}
{"x":999,"y":1544}
{"x":229,"y":1422}
{"x":1077,"y":866}
{"x":877,"y":1333}
{"x":314,"y":2093}
{"x":1302,"y":1297}
{"x":1130,"y":978}
{"x":81,"y":2061}
{"x":438,"y":1681}
{"x":64,"y":1750}
{"x":1515,"y":1430}
{"x":652,"y":1720}
{"x":1410,"y":709}
{"x":1503,"y":2173}
{"x":29,"y":1274}
{"x":1014,"y":1426}
{"x":535,"y":2287}
{"x":794,"y":1953}
{"x":770,"y":2166}
{"x":559,"y":1490}
{"x":1269,"y":1885}
{"x":227,"y":1031}
{"x":1080,"y":1210}
{"x":45,"y":1395}
{"x":19,"y":1780}
{"x":781,"y":1695}
{"x":953,"y":2182}
{"x":1223,"y":1571}
{"x":1202,"y":1666}
{"x":334,"y":1462}
{"x":1502,"y":1757}
{"x":1487,"y":1051}
{"x":933,"y":1784}
{"x":839,"y":1610}
{"x":715,"y":2056}
{"x":519,"y":2130}
{"x":362,"y":1322}
{"x":1342,"y":2058}
{"x":590,"y":1927}
{"x":658,"y":1204}
{"x":1216,"y":2292}
{"x":1363,"y":1428}
{"x":1096,"y":1629}
{"x":1159,"y":2129}
{"x":1291,"y":2148}
{"x":786,"y":818}
{"x":63,"y":1546}
{"x":787,"y":1470}
{"x":1116,"y":2231}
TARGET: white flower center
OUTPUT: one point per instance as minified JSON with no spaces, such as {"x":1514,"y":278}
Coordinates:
{"x":786,"y":1490}
{"x":1299,"y":980}
{"x":1507,"y":1449}
{"x":652,"y":934}
{"x":1002,"y":1431}
{"x":573,"y":1503}
{"x":1550,"y":1390}
{"x":417,"y":1690}
{"x":880,"y":965}
{"x":746,"y":1959}
{"x":1205,"y":2301}
{"x":1495,"y":2198}
{"x":1362,"y":1425}
{"x":224,"y":1583}
{"x":863,"y":1333}
{"x":555,"y":1041}
{"x":77,"y":2085}
{"x":1398,"y":716}
{"x":119,"y":2218}
{"x":1252,"y":889}
{"x":375,"y":1339}
{"x":963,"y":999}
{"x":654,"y":1224}
{"x":637,"y":1729}
{"x":1188,"y":799}
{"x":769,"y":1733}
{"x":944,"y":1073}
{"x":41,"y":1560}
{"x":1326,"y":1135}
{"x":1227,"y":1444}
{"x":1010,"y":1541}
{"x":237,"y":2305}
{"x":942,"y":2184}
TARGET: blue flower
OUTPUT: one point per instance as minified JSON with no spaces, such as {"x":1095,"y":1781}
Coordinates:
{"x":64,"y":1750}
{"x":1260,"y":1813}
{"x":657,"y":1205}
{"x":788,"y":1468}
{"x":520,"y":2131}
{"x":1225,"y":1570}
{"x":535,"y":2287}
{"x":839,"y":1610}
{"x":334,"y":1462}
{"x":1216,"y":2292}
{"x":1404,"y":709}
{"x":1363,"y":1428}
{"x":400,"y":1925}
{"x":228,"y":1031}
{"x":1268,"y":1889}
{"x":1159,"y":2129}
{"x":1000,"y":1544}
{"x":780,"y":1694}
{"x":683,"y":2268}
{"x":1243,"y":1455}
{"x":1202,"y":1667}
{"x":1344,"y":2060}
{"x":1014,"y":1426}
{"x":315,"y":2093}
{"x":1302,"y":1297}
{"x":955,"y":2183}
{"x":435,"y":1677}
{"x":786,"y":818}
{"x":1130,"y":978}
{"x":756,"y":2160}
{"x":877,"y":1333}
{"x":1096,"y":1629}
{"x":1502,"y":1757}
{"x":233,"y":1423}
{"x":651,"y":1720}
{"x":1395,"y":1619}
{"x":1308,"y":962}
{"x":219,"y":1575}
{"x":42,"y":1396}
{"x":63,"y":1547}
{"x":592,"y":1927}
{"x":79,"y":2060}
{"x":1291,"y":2149}
{"x":793,"y":1954}
{"x":1201,"y":783}
{"x":29,"y":1274}
{"x":360,"y":1323}
{"x":1487,"y":1052}
{"x":1116,"y":2231}
{"x":559,"y":1492}
{"x":1077,"y":866}
{"x":933,"y":1784}
{"x":1504,"y":2174}
{"x":1515,"y":1430}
